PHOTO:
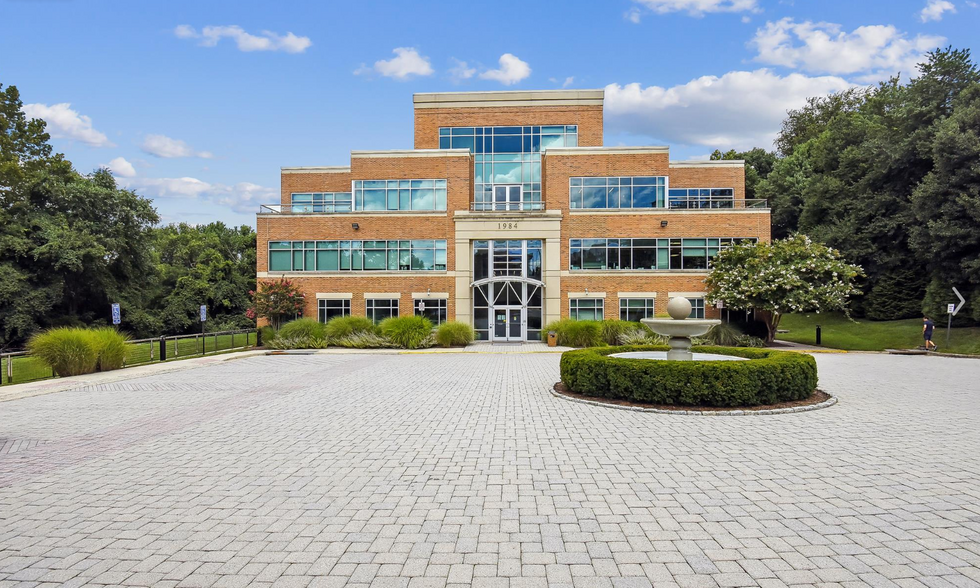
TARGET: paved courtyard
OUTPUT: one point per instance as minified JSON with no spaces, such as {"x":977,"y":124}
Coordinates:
{"x":461,"y":469}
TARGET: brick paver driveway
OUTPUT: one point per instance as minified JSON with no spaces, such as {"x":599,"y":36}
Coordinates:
{"x":423,"y":470}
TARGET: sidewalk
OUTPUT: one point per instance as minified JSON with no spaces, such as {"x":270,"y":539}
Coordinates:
{"x":26,"y":390}
{"x":802,"y":347}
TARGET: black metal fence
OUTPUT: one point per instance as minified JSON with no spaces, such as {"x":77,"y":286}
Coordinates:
{"x":19,"y":367}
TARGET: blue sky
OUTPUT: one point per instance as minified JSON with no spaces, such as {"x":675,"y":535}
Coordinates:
{"x":198,"y":104}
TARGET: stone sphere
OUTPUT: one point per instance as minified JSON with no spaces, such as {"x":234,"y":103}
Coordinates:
{"x":679,"y":308}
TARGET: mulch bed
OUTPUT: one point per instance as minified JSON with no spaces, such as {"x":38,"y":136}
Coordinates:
{"x":817,"y":397}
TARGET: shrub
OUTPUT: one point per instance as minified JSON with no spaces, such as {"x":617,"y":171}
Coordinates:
{"x":409,"y":332}
{"x":454,"y":333}
{"x":749,"y":341}
{"x":724,"y":334}
{"x":613,"y":329}
{"x":68,"y":351}
{"x":363,"y":340}
{"x":767,"y":378}
{"x":573,"y":333}
{"x":110,"y":347}
{"x":303,"y":328}
{"x":267,"y":334}
{"x":345,"y":326}
{"x":298,"y":342}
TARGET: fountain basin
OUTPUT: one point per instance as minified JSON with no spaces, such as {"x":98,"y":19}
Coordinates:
{"x":662,"y":355}
{"x":679,"y":328}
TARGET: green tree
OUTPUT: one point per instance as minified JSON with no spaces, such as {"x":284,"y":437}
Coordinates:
{"x":758,"y":165}
{"x":788,"y":275}
{"x":947,"y":208}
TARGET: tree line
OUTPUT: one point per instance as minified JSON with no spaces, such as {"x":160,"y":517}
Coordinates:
{"x":72,"y":244}
{"x":890,"y":176}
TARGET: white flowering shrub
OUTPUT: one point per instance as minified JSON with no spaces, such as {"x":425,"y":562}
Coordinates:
{"x":795,"y":274}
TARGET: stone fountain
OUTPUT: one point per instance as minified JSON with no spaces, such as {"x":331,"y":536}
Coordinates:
{"x":679,"y":328}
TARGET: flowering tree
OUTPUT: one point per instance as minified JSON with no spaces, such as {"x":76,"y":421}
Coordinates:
{"x":274,"y":300}
{"x":794,"y":274}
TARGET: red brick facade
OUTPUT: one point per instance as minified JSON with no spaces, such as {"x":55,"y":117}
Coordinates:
{"x":457,"y":168}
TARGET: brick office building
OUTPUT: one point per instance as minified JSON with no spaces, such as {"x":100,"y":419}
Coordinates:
{"x":509,"y":213}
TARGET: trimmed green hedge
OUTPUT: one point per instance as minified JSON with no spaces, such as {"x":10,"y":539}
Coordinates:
{"x":770,"y":376}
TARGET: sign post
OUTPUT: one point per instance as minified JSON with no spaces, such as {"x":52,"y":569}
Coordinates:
{"x":204,"y":317}
{"x":951,"y":310}
{"x":116,"y":315}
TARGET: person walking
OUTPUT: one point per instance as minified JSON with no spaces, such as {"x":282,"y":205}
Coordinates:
{"x":927,"y":327}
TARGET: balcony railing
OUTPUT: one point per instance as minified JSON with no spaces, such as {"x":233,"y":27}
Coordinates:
{"x":505,"y":206}
{"x":676,"y":203}
{"x":713,"y":202}
{"x":304,"y":208}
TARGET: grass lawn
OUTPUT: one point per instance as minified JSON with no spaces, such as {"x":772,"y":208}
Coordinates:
{"x":29,"y":369}
{"x":839,"y":332}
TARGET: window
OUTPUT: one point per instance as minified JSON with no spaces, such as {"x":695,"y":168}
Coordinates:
{"x":634,"y":309}
{"x":701,"y":198}
{"x":434,"y":309}
{"x":646,"y":254}
{"x":631,"y":192}
{"x":320,"y":202}
{"x":328,"y":309}
{"x":329,"y":256}
{"x":697,"y":308}
{"x":378,"y":309}
{"x":400,"y":195}
{"x":508,"y":155}
{"x":585,"y":309}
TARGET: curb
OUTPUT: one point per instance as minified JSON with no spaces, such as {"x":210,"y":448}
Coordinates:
{"x":735,"y":412}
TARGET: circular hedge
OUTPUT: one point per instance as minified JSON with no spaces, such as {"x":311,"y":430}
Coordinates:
{"x":769,"y":377}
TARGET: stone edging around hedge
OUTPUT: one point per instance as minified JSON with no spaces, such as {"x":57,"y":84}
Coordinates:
{"x":733,"y":412}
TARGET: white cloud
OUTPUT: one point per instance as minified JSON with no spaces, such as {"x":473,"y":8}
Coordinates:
{"x":934,"y":10}
{"x":164,"y":146}
{"x":265,"y":41}
{"x":241,"y":197}
{"x":632,"y":15}
{"x":697,"y":7}
{"x":65,"y":123}
{"x":461,"y":71}
{"x":564,"y":84}
{"x":741,"y":109}
{"x":121,"y":168}
{"x":512,"y":70}
{"x":403,"y":66}
{"x":877,"y":51}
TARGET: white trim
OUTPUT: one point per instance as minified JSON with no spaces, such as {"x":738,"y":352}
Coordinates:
{"x":334,"y":295}
{"x":383,"y":295}
{"x":686,"y":294}
{"x":410,"y":153}
{"x":508,"y":98}
{"x":355,"y":273}
{"x":430,"y":295}
{"x":637,"y":294}
{"x":586,"y":295}
{"x":710,"y":163}
{"x":606,"y":150}
{"x":330,"y":169}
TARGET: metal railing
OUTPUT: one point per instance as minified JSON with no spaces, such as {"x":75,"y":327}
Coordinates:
{"x":337,"y":208}
{"x":713,"y":203}
{"x":505,"y":206}
{"x":18,"y":367}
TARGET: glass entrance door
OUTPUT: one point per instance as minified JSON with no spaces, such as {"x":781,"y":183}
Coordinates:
{"x":508,"y":324}
{"x":507,"y":197}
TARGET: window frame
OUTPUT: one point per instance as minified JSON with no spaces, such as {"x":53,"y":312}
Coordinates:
{"x":649,"y":307}
{"x":372,"y":308}
{"x":441,"y":306}
{"x":321,"y":309}
{"x":574,"y":307}
{"x":665,"y":250}
{"x":439,"y":189}
{"x":616,"y":183}
{"x":356,"y":255}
